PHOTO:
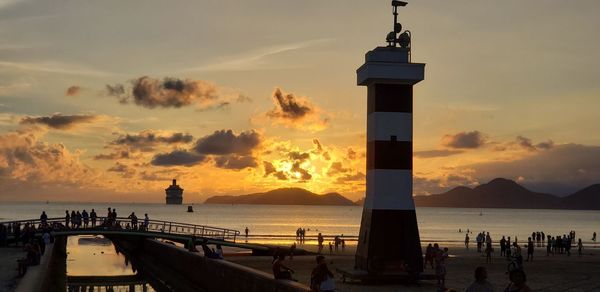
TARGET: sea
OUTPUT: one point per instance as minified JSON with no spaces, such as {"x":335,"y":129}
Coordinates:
{"x":278,"y":223}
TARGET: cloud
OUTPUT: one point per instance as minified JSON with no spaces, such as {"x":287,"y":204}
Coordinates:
{"x":351,"y":154}
{"x":59,"y":121}
{"x":357,"y":177}
{"x":226,"y":142}
{"x":177,"y":158}
{"x":27,"y":161}
{"x":436,"y":153}
{"x":148,"y":139}
{"x":301,"y":173}
{"x":235,"y":162}
{"x":289,"y":107}
{"x":54,"y":68}
{"x":296,"y":112}
{"x":113,"y":156}
{"x":525,"y":143}
{"x":125,"y":170}
{"x":320,"y":150}
{"x":337,"y":168}
{"x":271,"y":170}
{"x":545,"y":145}
{"x":73,"y":90}
{"x":169,"y":92}
{"x":464,"y":140}
{"x":522,"y":142}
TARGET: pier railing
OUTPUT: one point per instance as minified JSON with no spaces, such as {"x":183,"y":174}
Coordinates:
{"x":126,"y":224}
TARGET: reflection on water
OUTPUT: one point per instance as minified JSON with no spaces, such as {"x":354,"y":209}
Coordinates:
{"x":93,"y":264}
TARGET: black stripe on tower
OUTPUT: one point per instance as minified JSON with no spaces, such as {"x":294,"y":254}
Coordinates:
{"x":389,"y":155}
{"x":389,"y":98}
{"x":396,"y":245}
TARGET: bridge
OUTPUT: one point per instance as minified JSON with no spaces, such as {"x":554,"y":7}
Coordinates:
{"x":185,"y":233}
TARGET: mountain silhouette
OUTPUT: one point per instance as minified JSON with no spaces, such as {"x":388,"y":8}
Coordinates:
{"x":505,"y":193}
{"x":585,"y":199}
{"x":283,"y":196}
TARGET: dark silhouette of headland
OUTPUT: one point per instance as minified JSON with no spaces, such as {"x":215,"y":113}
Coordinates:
{"x":284,"y":196}
{"x":505,"y":193}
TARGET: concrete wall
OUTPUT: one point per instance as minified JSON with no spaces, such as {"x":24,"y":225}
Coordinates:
{"x":50,"y":274}
{"x":207,"y":274}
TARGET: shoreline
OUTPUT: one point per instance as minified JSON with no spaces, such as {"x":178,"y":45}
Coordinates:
{"x":548,"y":273}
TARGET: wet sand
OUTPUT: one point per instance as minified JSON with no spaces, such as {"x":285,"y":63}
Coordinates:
{"x":8,"y":267}
{"x":545,"y":273}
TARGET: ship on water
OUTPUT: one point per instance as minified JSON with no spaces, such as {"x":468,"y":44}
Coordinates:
{"x":174,"y":194}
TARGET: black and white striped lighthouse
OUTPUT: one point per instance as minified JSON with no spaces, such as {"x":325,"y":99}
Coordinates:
{"x":389,"y":236}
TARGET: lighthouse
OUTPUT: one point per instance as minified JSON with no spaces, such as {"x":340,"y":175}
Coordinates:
{"x":174,"y":194}
{"x":389,"y":236}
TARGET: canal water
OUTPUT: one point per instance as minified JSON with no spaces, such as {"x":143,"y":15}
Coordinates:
{"x":94,"y":264}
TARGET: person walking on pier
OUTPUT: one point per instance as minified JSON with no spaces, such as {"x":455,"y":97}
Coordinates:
{"x":146,"y":221}
{"x":67,"y":218}
{"x":44,"y":218}
{"x":94,"y":217}
{"x":73,"y":219}
{"x":86,"y":218}
{"x":108,"y":219}
{"x":134,"y":220}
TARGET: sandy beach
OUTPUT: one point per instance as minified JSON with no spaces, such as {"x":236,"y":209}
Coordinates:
{"x":545,"y":273}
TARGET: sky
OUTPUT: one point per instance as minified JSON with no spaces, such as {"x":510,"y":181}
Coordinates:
{"x":110,"y":100}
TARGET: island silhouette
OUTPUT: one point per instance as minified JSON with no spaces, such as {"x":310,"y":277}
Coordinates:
{"x":506,"y":193}
{"x":498,"y":193}
{"x":284,"y":196}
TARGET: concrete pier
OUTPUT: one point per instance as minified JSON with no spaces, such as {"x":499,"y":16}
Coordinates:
{"x":190,"y":271}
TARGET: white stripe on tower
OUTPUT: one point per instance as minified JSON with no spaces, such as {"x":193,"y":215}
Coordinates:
{"x":382,"y":125}
{"x":387,"y":189}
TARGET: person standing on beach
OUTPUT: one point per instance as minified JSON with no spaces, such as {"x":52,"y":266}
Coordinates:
{"x":466,"y":240}
{"x":481,"y":284}
{"x":579,"y":247}
{"x":503,"y":246}
{"x":488,"y":252}
{"x":518,"y":255}
{"x":246,"y":231}
{"x":594,"y":237}
{"x":440,"y":265}
{"x":508,"y":248}
{"x":529,"y":250}
{"x":320,"y":241}
{"x":429,"y":252}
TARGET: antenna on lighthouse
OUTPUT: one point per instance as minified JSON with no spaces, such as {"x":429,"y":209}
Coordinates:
{"x":392,"y":38}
